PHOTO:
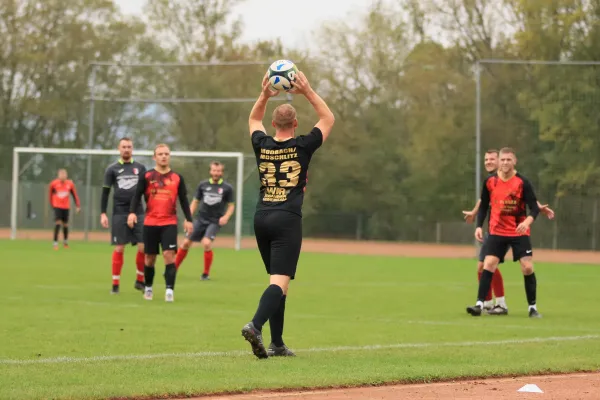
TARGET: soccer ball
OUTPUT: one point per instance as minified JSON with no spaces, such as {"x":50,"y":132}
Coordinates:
{"x":281,"y":74}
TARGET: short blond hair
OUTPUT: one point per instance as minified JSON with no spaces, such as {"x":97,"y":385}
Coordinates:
{"x":508,"y":150}
{"x":284,"y":116}
{"x":158,"y":146}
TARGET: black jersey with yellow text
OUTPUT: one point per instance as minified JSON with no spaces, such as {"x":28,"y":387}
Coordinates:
{"x":283,"y":168}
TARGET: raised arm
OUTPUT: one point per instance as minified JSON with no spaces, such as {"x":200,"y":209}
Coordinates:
{"x":326,"y":118}
{"x":255,"y":121}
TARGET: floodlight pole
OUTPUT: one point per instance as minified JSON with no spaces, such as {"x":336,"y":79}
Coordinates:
{"x":88,"y":179}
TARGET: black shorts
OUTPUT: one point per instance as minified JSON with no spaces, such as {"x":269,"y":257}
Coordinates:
{"x":483,"y":248}
{"x":165,"y":236}
{"x":279,"y":238}
{"x":61,"y":214}
{"x":121,"y":233}
{"x":202,"y":229}
{"x":498,"y":246}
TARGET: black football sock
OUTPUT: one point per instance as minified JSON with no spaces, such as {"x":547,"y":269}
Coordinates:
{"x":56,"y":230}
{"x":148,"y":275}
{"x":484,"y":284}
{"x":170,"y":273}
{"x":269,"y":303}
{"x":65,"y":233}
{"x":276,"y":324}
{"x":531,"y":288}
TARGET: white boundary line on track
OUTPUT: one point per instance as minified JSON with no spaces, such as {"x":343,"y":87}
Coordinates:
{"x":132,"y":357}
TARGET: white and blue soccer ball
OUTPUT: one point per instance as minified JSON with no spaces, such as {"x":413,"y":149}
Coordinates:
{"x":281,"y":74}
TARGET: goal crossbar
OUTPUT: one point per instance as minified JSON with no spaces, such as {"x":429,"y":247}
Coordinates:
{"x":92,"y":152}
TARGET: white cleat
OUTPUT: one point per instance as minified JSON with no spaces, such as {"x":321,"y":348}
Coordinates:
{"x":148,"y":293}
{"x":169,"y":297}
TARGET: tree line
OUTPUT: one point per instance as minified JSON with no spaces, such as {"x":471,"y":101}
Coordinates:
{"x":400,"y":79}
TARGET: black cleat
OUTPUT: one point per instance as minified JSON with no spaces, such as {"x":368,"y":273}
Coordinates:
{"x":279,"y":351}
{"x":205,"y":277}
{"x":474,"y":311}
{"x":498,"y":310}
{"x":139,"y":286}
{"x":533,"y":313}
{"x":254,"y":337}
{"x":115,"y":289}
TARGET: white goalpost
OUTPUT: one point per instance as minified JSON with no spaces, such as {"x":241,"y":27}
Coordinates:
{"x":16,"y":173}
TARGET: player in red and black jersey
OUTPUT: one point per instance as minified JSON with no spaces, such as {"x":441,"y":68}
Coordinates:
{"x":491,"y":162}
{"x":282,"y":162}
{"x":508,"y":194}
{"x":59,"y":191}
{"x":161,"y":187}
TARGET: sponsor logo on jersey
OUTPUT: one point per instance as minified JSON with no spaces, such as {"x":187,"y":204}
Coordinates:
{"x":127,"y":182}
{"x":210,"y":199}
{"x":220,"y":191}
{"x":136,"y":171}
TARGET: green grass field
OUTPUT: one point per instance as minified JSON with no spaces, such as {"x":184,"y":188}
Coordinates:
{"x":352,"y":320}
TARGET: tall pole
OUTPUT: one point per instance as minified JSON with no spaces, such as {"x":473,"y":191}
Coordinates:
{"x":88,"y":184}
{"x":477,"y":130}
{"x":239,"y":206}
{"x":14,"y":195}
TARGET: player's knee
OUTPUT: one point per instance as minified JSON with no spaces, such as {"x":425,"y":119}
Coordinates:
{"x":58,"y":222}
{"x":140,"y":247}
{"x":150,"y":260}
{"x":187,"y":243}
{"x":480,"y":266}
{"x":119,"y":248}
{"x":207,"y":243}
{"x":527,"y":266}
{"x":169,"y":256}
{"x":65,"y":224}
{"x":283,"y":281}
{"x":490,"y":264}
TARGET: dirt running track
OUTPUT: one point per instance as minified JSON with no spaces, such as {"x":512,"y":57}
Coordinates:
{"x":563,"y":387}
{"x":354,"y":247}
{"x":571,"y":387}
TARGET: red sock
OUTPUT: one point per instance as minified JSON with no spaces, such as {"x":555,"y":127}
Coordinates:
{"x":117,"y":266}
{"x":498,"y":284}
{"x":489,"y":295}
{"x":140,"y":261}
{"x":208,"y":258}
{"x":181,"y":254}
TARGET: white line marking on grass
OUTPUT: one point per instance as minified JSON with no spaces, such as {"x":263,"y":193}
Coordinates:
{"x":237,"y":353}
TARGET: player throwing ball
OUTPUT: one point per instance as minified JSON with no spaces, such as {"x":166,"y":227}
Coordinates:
{"x":508,"y":194}
{"x":283,"y":162}
{"x":215,"y":197}
{"x":161,"y":187}
{"x":124,"y":176}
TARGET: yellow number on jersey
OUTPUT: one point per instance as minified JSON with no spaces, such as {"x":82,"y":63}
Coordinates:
{"x":291,"y":169}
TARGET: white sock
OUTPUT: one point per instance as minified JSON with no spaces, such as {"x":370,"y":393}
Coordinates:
{"x":533,"y":307}
{"x":501,"y":301}
{"x":169,"y":291}
{"x":488,"y":304}
{"x":479,"y":303}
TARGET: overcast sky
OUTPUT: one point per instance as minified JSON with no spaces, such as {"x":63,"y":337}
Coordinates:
{"x":295,"y":31}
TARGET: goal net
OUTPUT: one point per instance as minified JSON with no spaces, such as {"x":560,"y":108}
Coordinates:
{"x":33,"y":168}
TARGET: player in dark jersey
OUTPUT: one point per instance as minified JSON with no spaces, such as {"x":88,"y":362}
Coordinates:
{"x":508,"y":194}
{"x":161,"y":187}
{"x":123,"y":175}
{"x":499,"y":308}
{"x":215,"y":197}
{"x":282,"y":162}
